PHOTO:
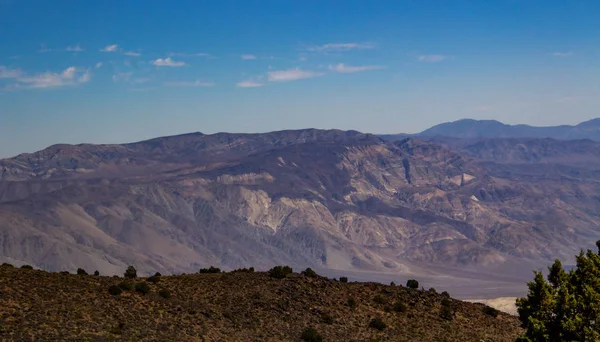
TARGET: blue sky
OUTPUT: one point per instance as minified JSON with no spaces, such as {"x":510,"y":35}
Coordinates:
{"x":119,"y":71}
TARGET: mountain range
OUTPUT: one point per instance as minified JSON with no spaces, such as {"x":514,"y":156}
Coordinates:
{"x":479,"y":209}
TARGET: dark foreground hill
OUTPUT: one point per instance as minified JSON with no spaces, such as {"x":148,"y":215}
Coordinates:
{"x":236,"y":306}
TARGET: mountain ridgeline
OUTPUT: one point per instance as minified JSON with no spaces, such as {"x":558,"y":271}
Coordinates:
{"x":333,"y":200}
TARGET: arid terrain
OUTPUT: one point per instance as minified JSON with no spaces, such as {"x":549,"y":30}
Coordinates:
{"x":471,"y":216}
{"x":239,"y":306}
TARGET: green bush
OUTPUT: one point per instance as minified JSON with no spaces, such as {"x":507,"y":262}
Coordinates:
{"x":244,"y":270}
{"x":311,"y":335}
{"x":280,"y":272}
{"x":412,"y":284}
{"x":5,"y":264}
{"x":327,"y":318}
{"x":96,"y":273}
{"x":309,"y":272}
{"x":125,"y":286}
{"x":142,"y":287}
{"x":154,"y":279}
{"x":446,"y":294}
{"x":379,"y":299}
{"x":211,"y":269}
{"x":343,"y":279}
{"x":27,"y":267}
{"x":447,"y":313}
{"x":400,"y":307}
{"x":392,"y":284}
{"x":352,"y":303}
{"x":447,"y":302}
{"x":81,"y":271}
{"x":164,"y":293}
{"x":157,"y":274}
{"x":490,"y":311}
{"x":114,"y":290}
{"x":131,"y":272}
{"x":377,"y":323}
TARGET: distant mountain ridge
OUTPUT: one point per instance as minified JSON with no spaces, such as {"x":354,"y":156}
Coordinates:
{"x":469,"y":128}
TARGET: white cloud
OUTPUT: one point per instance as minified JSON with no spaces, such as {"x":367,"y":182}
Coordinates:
{"x":189,"y":84}
{"x":50,"y":80}
{"x":248,"y":57}
{"x":291,"y":75}
{"x":249,"y":84}
{"x":132,"y":53}
{"x":142,"y":80}
{"x":343,"y":68}
{"x":122,"y":77}
{"x":432,"y":58}
{"x":75,"y":48}
{"x":201,"y":54}
{"x":167,"y":62}
{"x":341,"y":47}
{"x":302,"y":59}
{"x":98,"y":65}
{"x":562,"y":54}
{"x":110,"y":48}
{"x":9,"y":73}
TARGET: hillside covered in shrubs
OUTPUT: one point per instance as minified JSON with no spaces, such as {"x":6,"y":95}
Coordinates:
{"x":243,"y":305}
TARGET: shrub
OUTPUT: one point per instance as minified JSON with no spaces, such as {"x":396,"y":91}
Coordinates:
{"x":327,"y":318}
{"x":412,"y":284}
{"x":211,"y":269}
{"x":343,"y":279}
{"x":379,"y":299}
{"x":130,"y":272}
{"x":446,"y":294}
{"x":114,"y":290}
{"x":96,"y":273}
{"x":490,"y":311}
{"x":164,"y":293}
{"x":377,"y":323}
{"x":27,"y":267}
{"x":400,"y":306}
{"x":244,"y":270}
{"x":5,"y":264}
{"x":154,"y":279}
{"x":352,"y":303}
{"x":142,"y":287}
{"x":311,"y":335}
{"x":125,"y":286}
{"x":157,"y":274}
{"x":392,"y":284}
{"x":65,"y":272}
{"x":280,"y":272}
{"x":81,"y":271}
{"x":309,"y":272}
{"x":447,"y":313}
{"x":447,"y":302}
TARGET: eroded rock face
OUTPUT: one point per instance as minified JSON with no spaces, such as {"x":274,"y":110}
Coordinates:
{"x":332,"y":199}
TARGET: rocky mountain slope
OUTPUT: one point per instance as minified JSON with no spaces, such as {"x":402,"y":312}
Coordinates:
{"x":237,"y":306}
{"x":333,"y":200}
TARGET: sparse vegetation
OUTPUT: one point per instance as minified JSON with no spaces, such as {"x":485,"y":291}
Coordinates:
{"x":142,"y":287}
{"x":96,"y":273}
{"x":157,"y":274}
{"x":309,"y":272}
{"x":5,"y":264}
{"x":27,"y":267}
{"x":244,"y":270}
{"x":311,"y":335}
{"x":490,"y":311}
{"x":131,"y":272}
{"x":377,"y":323}
{"x":114,"y":290}
{"x":81,"y":271}
{"x":125,"y":286}
{"x":351,"y":303}
{"x":343,"y":279}
{"x":412,"y":284}
{"x":380,"y":299}
{"x":446,"y":311}
{"x":327,"y":318}
{"x":392,"y":284}
{"x":211,"y":269}
{"x":280,"y":272}
{"x":400,"y":307}
{"x":154,"y":279}
{"x":164,"y":293}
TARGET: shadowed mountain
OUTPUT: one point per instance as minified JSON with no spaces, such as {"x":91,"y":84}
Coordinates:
{"x":333,"y":200}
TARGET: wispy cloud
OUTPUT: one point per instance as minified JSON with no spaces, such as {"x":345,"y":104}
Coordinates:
{"x":141,"y":80}
{"x":110,"y":48}
{"x":196,"y":83}
{"x":132,"y":53}
{"x":333,"y":47}
{"x":291,"y":75}
{"x":249,"y":84}
{"x":343,"y":68}
{"x":70,"y":76}
{"x":122,"y":77}
{"x":98,"y":65}
{"x":562,"y":54}
{"x":167,"y":62}
{"x":75,"y":48}
{"x":432,"y":58}
{"x":9,"y":73}
{"x":248,"y":57}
